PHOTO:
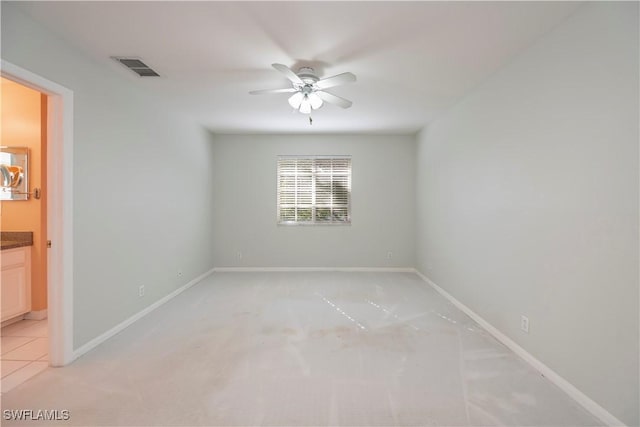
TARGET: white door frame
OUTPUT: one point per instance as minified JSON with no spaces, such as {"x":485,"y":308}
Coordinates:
{"x":59,"y":195}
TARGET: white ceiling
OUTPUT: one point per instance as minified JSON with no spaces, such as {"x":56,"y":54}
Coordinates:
{"x":412,"y":59}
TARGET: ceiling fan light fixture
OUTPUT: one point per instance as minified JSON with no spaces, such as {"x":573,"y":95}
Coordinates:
{"x":295,"y":100}
{"x":305,"y":106}
{"x":315,"y":101}
{"x":309,"y":91}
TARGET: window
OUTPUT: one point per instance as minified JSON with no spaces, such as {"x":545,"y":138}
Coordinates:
{"x":314,"y":190}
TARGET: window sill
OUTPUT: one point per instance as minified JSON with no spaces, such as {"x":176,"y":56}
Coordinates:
{"x":312,"y":224}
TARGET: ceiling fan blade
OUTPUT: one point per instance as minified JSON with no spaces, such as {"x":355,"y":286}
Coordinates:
{"x":340,"y":79}
{"x":333,"y":99}
{"x":288,"y":73}
{"x":260,"y":92}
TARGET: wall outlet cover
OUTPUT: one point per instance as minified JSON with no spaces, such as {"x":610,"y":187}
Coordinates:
{"x":524,"y":323}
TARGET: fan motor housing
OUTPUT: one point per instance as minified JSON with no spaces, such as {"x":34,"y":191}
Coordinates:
{"x":307,"y":75}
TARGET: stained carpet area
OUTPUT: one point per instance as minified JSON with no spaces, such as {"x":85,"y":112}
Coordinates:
{"x":312,"y":348}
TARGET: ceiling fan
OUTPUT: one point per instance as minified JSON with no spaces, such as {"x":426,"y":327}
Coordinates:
{"x":309,"y":90}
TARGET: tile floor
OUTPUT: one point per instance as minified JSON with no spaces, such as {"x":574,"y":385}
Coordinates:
{"x":295,"y":349}
{"x":24,"y":352}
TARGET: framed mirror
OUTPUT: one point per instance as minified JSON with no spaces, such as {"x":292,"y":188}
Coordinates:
{"x":14,"y":173}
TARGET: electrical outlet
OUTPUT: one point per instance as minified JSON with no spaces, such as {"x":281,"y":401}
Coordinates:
{"x":239,"y":255}
{"x":524,"y":324}
{"x":389,"y":255}
{"x":141,"y":291}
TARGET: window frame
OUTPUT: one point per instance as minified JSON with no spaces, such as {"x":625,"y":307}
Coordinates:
{"x":313,"y":222}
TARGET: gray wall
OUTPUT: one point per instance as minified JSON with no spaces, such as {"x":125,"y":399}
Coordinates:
{"x":383,"y":205}
{"x":142,"y":179}
{"x":527,"y":201}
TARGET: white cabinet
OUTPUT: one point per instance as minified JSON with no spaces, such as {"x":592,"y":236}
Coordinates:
{"x":16,"y":282}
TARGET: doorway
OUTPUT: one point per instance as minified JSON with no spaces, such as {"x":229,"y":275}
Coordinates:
{"x":59,"y":205}
{"x":24,"y":233}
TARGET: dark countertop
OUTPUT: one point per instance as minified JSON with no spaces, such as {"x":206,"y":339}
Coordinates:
{"x":15,"y":239}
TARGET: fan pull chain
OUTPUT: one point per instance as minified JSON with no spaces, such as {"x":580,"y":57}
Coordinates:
{"x":310,"y":120}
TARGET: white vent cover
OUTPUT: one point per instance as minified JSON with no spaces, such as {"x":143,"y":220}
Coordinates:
{"x":137,"y":66}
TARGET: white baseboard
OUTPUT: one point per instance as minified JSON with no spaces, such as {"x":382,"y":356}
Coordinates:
{"x":119,"y":327}
{"x":595,"y":409}
{"x":311,"y":269}
{"x":36,"y":315}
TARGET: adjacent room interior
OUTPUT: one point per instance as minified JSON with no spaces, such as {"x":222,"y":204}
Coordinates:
{"x":320,"y":213}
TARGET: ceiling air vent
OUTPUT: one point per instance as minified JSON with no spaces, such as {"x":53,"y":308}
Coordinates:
{"x":137,"y":66}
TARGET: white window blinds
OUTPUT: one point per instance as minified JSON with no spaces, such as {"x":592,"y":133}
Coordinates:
{"x":314,"y":190}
